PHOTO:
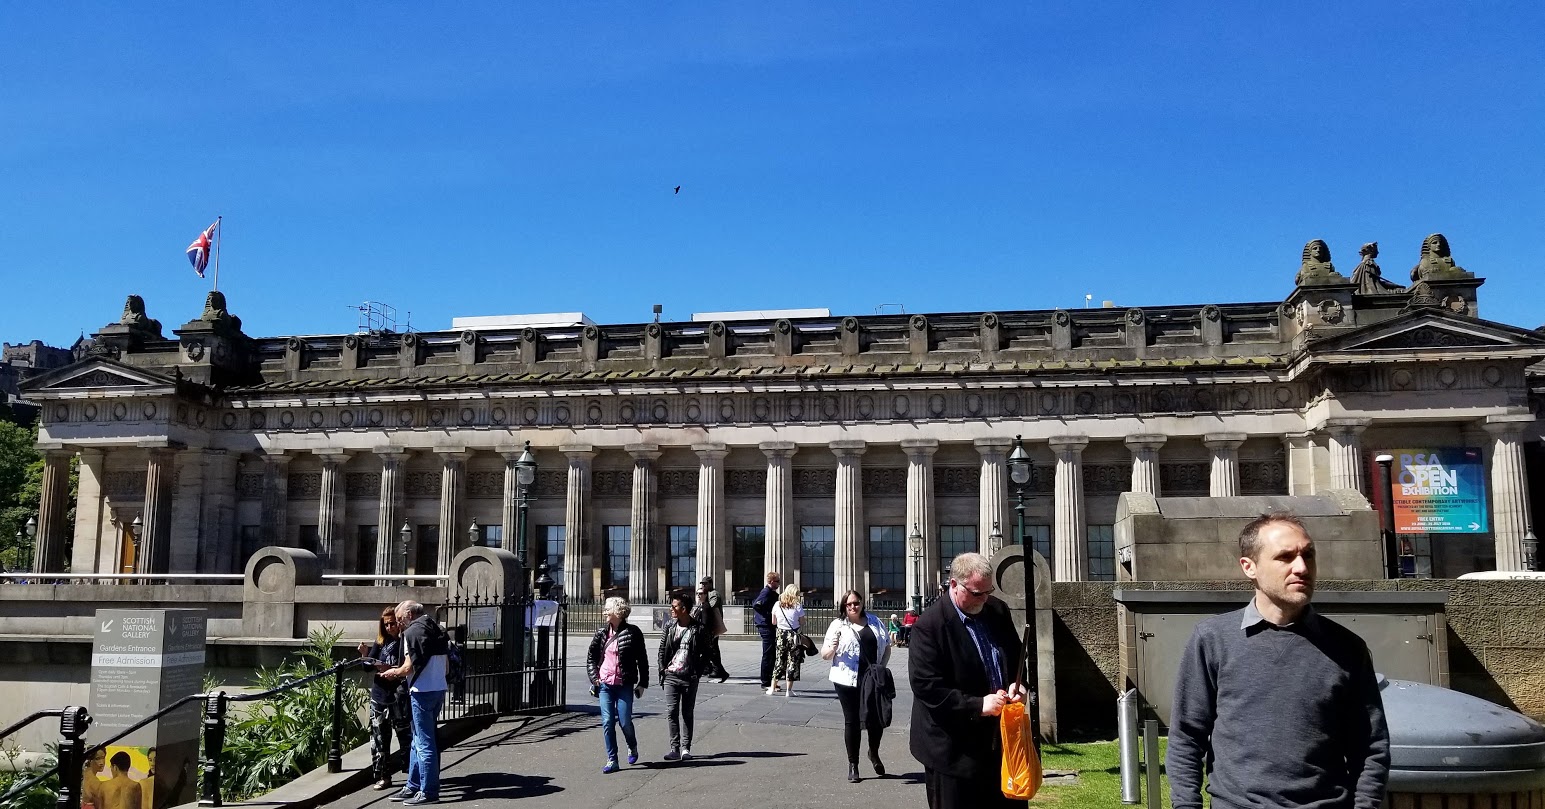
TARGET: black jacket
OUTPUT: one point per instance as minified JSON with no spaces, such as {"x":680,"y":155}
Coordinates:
{"x":761,"y":607}
{"x":631,"y":657}
{"x":697,"y":651}
{"x":949,"y":733}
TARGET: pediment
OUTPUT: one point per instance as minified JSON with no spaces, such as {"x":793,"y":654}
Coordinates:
{"x":97,"y":373}
{"x":1431,"y":330}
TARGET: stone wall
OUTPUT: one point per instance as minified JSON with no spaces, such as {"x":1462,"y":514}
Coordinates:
{"x":1496,"y":643}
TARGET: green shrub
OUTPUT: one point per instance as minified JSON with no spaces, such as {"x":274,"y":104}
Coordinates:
{"x":42,"y":796}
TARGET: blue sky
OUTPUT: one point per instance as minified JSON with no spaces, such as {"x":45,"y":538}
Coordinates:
{"x":483,"y":158}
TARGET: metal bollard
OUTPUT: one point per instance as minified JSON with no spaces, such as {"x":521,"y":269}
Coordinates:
{"x":1126,"y":743}
{"x":214,"y":748}
{"x":1151,"y":761}
{"x":72,"y":750}
{"x":335,"y":752}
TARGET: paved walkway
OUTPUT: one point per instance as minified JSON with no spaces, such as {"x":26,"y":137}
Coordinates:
{"x":749,"y":750}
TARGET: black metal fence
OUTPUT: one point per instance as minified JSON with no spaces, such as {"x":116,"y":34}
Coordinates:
{"x":513,"y":652}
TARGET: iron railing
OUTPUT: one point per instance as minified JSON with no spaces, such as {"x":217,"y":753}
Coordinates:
{"x":509,"y":666}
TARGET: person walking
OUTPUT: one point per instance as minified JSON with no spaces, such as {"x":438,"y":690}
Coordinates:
{"x":1276,"y":704}
{"x":856,"y":641}
{"x":761,"y":617}
{"x":618,"y":666}
{"x":424,"y":659}
{"x":389,"y":707}
{"x":788,"y":615}
{"x":683,"y":658}
{"x":961,"y":659}
{"x":709,"y":615}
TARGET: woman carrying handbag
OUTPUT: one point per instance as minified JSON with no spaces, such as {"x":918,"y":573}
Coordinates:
{"x":787,"y":617}
{"x":855,"y":643}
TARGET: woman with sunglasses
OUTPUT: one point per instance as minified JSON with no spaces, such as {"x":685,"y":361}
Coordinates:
{"x":388,"y":706}
{"x":855,"y":641}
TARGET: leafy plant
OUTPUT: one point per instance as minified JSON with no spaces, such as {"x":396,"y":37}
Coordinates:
{"x":41,"y":796}
{"x":271,"y":742}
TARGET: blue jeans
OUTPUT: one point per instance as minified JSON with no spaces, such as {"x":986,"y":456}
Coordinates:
{"x":424,"y":758}
{"x":617,"y":709}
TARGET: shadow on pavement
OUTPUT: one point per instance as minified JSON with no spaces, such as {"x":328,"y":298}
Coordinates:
{"x":495,"y":786}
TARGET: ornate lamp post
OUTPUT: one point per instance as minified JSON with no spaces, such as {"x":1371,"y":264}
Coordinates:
{"x":1531,"y":550}
{"x":405,"y":533}
{"x":1019,"y":472}
{"x":1387,"y":517}
{"x":994,"y":539}
{"x":525,"y":476}
{"x":915,"y":543}
{"x":474,"y":534}
{"x":32,"y":532}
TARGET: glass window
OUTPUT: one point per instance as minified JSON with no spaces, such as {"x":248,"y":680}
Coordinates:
{"x":954,"y":540}
{"x":311,"y":540}
{"x":492,"y":536}
{"x":683,"y":539}
{"x":619,"y":540}
{"x":749,"y":547}
{"x":367,"y":548}
{"x":426,"y":557}
{"x":887,"y":562}
{"x":1102,"y":553}
{"x":1040,"y":539}
{"x":817,"y":549}
{"x":251,"y":542}
{"x":552,"y":549}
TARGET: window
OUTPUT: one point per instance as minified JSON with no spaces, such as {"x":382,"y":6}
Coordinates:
{"x":427,"y":550}
{"x":311,"y":540}
{"x":749,"y":543}
{"x":683,"y":539}
{"x":954,"y":540}
{"x":491,"y":536}
{"x":817,"y":546}
{"x":367,"y":548}
{"x":1040,"y":539}
{"x":1102,"y":553}
{"x":619,"y":541}
{"x":552,"y":550}
{"x":251,"y":543}
{"x":1415,"y":552}
{"x":887,"y":561}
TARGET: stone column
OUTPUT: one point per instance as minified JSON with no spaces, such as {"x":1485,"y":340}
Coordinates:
{"x":711,"y":557}
{"x":1145,"y":462}
{"x":642,"y":587}
{"x":276,"y":498}
{"x":90,"y":520}
{"x":217,"y":540}
{"x":389,"y":558}
{"x":920,"y":515}
{"x":53,"y":508}
{"x":453,"y":496}
{"x":509,"y":515}
{"x":1509,"y":488}
{"x":1346,"y":452}
{"x":155,"y":543}
{"x":576,"y":523}
{"x":1224,"y":447}
{"x":1070,"y":549}
{"x":330,"y":510}
{"x":780,"y":550}
{"x":1300,"y":463}
{"x":187,"y":530}
{"x":847,"y":562}
{"x":992,"y":497}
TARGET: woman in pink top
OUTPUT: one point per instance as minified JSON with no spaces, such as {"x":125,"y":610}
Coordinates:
{"x":619,"y":672}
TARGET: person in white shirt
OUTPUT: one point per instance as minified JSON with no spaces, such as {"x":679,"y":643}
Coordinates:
{"x":788,"y":615}
{"x":425,"y":647}
{"x":855,"y":642}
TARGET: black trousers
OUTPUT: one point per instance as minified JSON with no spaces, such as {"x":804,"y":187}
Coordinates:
{"x":848,"y":698}
{"x":949,"y":792}
{"x":769,"y":645}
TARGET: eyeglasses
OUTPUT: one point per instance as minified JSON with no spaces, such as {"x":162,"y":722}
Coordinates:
{"x":854,"y":604}
{"x":974,"y":593}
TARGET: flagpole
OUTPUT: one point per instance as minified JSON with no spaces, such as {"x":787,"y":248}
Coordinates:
{"x":219,"y":235}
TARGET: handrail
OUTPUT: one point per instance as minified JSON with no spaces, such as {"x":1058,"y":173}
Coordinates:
{"x":123,"y":576}
{"x":392,"y":577}
{"x":29,"y":720}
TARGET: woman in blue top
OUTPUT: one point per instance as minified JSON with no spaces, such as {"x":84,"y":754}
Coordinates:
{"x":388,"y":707}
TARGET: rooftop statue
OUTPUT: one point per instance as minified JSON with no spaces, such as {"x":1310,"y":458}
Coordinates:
{"x":1367,"y":277}
{"x":215,"y":311}
{"x":1437,"y":263}
{"x":135,"y":318}
{"x":1316,"y":267}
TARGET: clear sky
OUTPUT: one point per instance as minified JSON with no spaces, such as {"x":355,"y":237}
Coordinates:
{"x":500,"y":158}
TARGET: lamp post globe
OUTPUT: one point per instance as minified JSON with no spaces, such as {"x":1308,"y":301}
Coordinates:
{"x":474,"y":534}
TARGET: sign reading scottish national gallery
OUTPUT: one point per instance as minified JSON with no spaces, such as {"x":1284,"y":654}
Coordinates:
{"x":1439,"y":490}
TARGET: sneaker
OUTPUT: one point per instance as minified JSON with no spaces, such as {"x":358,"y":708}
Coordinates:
{"x":632,"y":757}
{"x":402,"y":794}
{"x":673,"y":755}
{"x":419,"y":800}
{"x":611,"y":767}
{"x":686,"y":753}
{"x":770,"y":690}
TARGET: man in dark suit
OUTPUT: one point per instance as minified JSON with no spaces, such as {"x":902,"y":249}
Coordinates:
{"x":964,"y":651}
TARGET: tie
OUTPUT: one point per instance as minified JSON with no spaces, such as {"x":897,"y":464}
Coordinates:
{"x":988,"y":652}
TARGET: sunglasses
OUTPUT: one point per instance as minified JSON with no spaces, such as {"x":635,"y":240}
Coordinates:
{"x":975,"y":593}
{"x":854,"y":604}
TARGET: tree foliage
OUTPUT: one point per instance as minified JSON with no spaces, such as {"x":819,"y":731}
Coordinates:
{"x":21,"y":491}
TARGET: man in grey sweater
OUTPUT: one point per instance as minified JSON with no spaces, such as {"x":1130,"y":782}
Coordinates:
{"x":1277,"y":704}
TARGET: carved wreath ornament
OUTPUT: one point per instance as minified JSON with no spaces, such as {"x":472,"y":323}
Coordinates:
{"x":1331,"y":311}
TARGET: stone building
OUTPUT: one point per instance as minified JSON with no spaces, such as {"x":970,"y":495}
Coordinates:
{"x":23,"y":361}
{"x":814,"y":446}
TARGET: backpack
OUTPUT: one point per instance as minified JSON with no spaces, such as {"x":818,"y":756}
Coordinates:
{"x":455,"y":670}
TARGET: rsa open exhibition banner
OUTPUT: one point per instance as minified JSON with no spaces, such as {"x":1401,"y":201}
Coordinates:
{"x":1439,"y":490}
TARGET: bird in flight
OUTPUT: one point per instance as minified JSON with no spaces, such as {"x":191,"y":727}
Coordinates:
{"x":678,"y":189}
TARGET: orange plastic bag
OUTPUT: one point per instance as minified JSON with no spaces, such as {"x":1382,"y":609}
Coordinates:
{"x":1021,"y":766}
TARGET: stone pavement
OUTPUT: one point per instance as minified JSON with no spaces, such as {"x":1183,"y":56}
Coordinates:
{"x":749,"y":750}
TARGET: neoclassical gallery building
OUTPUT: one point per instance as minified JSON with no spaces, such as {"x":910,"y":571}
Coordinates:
{"x":815,"y":446}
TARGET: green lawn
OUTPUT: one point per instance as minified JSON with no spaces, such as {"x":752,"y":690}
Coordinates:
{"x":1098,"y":765}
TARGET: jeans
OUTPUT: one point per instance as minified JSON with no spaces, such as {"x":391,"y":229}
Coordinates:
{"x":617,"y":709}
{"x":424,"y":758}
{"x":767,"y":631}
{"x":679,"y":696}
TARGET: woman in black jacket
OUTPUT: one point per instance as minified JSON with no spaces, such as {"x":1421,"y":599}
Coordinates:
{"x":683,"y":660}
{"x":619,"y":671}
{"x":388,"y":699}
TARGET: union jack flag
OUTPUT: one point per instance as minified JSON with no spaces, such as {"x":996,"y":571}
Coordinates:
{"x":198,"y":252}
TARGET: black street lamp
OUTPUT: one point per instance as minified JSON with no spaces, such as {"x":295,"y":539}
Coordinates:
{"x":525,"y":476}
{"x":32,"y":533}
{"x":1531,"y":550}
{"x":474,"y":534}
{"x":915,"y":542}
{"x":406,"y":534}
{"x":1387,"y":517}
{"x":1019,"y":473}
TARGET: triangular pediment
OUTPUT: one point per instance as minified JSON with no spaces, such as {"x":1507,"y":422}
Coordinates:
{"x":97,"y":373}
{"x":1431,"y":330}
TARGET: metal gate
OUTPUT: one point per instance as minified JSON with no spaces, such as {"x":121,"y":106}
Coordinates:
{"x":513,"y":651}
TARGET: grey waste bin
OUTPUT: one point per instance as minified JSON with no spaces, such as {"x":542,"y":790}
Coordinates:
{"x":1445,"y":745}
